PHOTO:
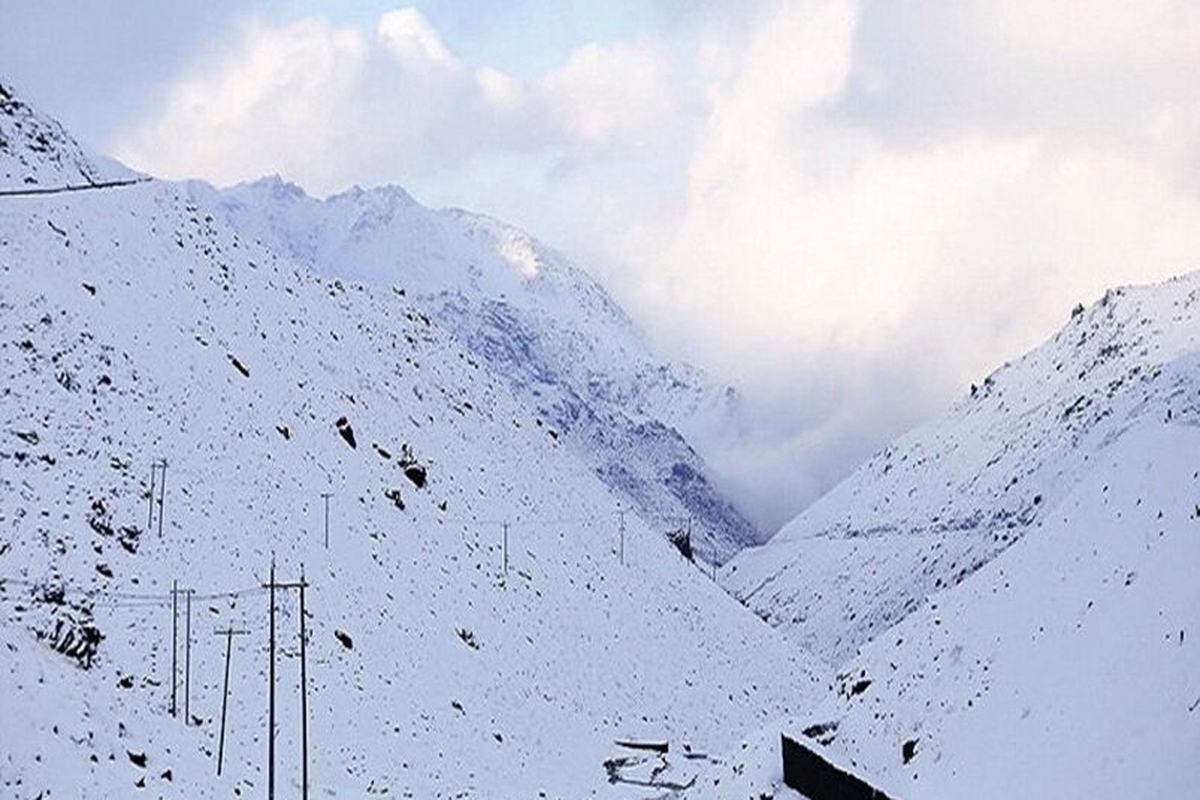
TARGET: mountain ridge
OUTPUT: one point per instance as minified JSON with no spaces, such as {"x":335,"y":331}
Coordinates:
{"x":484,"y":621}
{"x":953,"y":493}
{"x":567,"y":347}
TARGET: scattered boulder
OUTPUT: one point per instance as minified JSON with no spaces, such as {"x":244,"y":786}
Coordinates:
{"x":129,"y":537}
{"x":347,"y":432}
{"x":413,"y":469}
{"x":239,"y":366}
{"x":416,"y":475}
{"x":683,"y":543}
{"x":395,"y":497}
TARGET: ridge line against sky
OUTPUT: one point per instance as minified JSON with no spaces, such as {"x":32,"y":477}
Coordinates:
{"x":850,"y":209}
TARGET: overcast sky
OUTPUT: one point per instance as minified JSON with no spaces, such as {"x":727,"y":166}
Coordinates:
{"x":852,"y":210}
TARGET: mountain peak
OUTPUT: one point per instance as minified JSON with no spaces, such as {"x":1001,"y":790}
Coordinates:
{"x":390,"y":192}
{"x":561,"y":341}
{"x":276,"y":187}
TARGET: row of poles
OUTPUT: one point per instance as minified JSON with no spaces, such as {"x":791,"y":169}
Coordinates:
{"x":157,"y":494}
{"x":272,"y":586}
{"x":157,"y":498}
{"x":158,"y":480}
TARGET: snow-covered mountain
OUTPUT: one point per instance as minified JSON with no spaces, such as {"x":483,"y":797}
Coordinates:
{"x":943,"y":500}
{"x":565,"y":348}
{"x":1069,"y":666}
{"x":1018,"y":575}
{"x":483,"y":623}
{"x":35,"y":152}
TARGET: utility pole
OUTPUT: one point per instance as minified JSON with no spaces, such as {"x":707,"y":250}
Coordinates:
{"x":303,"y":687}
{"x":187,"y":659}
{"x":271,"y":679}
{"x":621,"y":552}
{"x":302,"y":584}
{"x":174,"y":639}
{"x":175,"y":592}
{"x":150,"y":517}
{"x":228,"y":633}
{"x":506,"y":554}
{"x":162,"y":489}
{"x":326,"y":496}
{"x":713,"y":544}
{"x":158,"y":481}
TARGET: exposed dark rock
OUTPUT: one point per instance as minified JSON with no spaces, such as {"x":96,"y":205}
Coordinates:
{"x":416,"y":474}
{"x":347,"y":432}
{"x":395,"y":497}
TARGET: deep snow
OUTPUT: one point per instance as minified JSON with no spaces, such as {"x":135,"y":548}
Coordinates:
{"x":136,"y":326}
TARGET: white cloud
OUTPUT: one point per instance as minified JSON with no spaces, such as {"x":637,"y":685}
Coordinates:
{"x":854,"y":208}
{"x":327,"y":107}
{"x":409,"y":37}
{"x":624,"y":91}
{"x":882,"y":272}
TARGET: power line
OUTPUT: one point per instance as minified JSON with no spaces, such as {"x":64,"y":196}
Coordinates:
{"x":79,"y":187}
{"x":114,"y":599}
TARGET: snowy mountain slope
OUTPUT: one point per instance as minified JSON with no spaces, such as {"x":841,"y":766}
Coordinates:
{"x":565,"y":347}
{"x":135,"y":326}
{"x":35,"y":151}
{"x":940,"y":502}
{"x":1069,"y":666}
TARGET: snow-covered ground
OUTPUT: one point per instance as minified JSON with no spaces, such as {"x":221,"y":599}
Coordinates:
{"x":941,"y":501}
{"x":1067,"y":667}
{"x":1037,"y":547}
{"x":564,"y":347}
{"x":136,"y":326}
{"x":1006,"y":594}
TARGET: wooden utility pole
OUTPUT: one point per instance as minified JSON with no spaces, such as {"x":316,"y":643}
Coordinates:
{"x":506,"y":554}
{"x":228,"y":633}
{"x":302,"y":584}
{"x":187,"y":659}
{"x":271,"y":702}
{"x":162,"y":489}
{"x":175,"y":592}
{"x":150,"y":517}
{"x":621,"y":552}
{"x":158,"y":481}
{"x":174,"y":639}
{"x":326,"y":496}
{"x":303,"y":687}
